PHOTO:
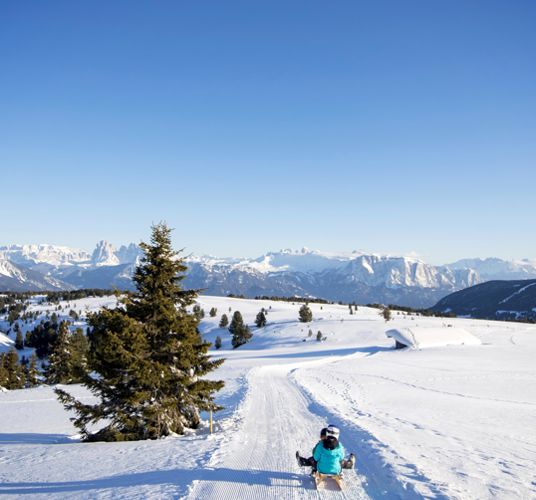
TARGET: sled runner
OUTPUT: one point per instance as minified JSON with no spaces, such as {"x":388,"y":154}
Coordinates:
{"x":321,"y":480}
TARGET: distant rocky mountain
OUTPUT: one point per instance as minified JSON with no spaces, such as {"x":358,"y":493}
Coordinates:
{"x":355,"y":276}
{"x":498,"y":269}
{"x":16,"y":278}
{"x":346,"y":277}
{"x":53,"y":267}
{"x":104,"y":255}
{"x":495,"y":299}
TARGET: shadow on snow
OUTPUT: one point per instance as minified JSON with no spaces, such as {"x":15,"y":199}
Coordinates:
{"x":178,"y":477}
{"x":369,"y":350}
{"x":34,"y":438}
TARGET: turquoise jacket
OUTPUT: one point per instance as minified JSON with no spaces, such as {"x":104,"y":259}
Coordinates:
{"x":328,"y":461}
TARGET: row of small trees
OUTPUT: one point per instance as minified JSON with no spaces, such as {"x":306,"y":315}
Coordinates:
{"x":240,"y":332}
{"x":67,"y":362}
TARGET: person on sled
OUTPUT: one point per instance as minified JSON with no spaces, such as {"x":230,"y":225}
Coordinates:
{"x":329,"y":440}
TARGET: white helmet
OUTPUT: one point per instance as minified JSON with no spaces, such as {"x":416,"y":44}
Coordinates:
{"x":333,"y":431}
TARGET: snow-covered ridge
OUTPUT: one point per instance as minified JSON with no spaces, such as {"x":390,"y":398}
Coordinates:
{"x":493,"y":268}
{"x":44,"y":253}
{"x":9,"y":270}
{"x":104,"y":254}
{"x":372,"y":269}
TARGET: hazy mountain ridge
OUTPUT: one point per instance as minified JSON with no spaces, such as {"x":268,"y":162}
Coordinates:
{"x":353,"y":276}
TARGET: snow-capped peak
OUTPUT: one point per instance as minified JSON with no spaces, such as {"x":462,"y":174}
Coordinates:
{"x":104,"y":255}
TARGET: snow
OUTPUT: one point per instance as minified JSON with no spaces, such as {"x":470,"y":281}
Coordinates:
{"x":44,"y":253}
{"x":443,"y":422}
{"x":423,"y":337}
{"x":9,"y":270}
{"x":5,"y":343}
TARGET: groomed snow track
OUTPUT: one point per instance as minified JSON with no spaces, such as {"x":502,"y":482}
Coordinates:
{"x":258,"y":460}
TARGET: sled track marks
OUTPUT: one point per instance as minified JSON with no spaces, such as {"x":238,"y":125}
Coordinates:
{"x":258,"y":459}
{"x":379,"y":479}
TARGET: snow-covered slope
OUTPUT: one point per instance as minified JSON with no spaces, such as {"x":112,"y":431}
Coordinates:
{"x":17,"y":278}
{"x":445,"y":422}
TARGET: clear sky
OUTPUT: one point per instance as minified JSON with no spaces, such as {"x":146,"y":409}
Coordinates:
{"x":387,"y":126}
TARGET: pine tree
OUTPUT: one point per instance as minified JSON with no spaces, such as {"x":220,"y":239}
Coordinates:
{"x":19,"y":341}
{"x":198,"y":312}
{"x":386,"y":313}
{"x":59,"y":370}
{"x":15,"y":372}
{"x":79,"y":356}
{"x":3,"y":372}
{"x":240,"y":332}
{"x":149,"y":356}
{"x":305,"y":314}
{"x":236,"y":323}
{"x":217,"y":342}
{"x":213,"y":312}
{"x":319,"y":336}
{"x":32,"y":372}
{"x":260,"y":320}
{"x":241,"y":336}
{"x":224,"y":321}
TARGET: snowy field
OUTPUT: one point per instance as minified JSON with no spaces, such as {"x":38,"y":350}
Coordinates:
{"x":444,"y":422}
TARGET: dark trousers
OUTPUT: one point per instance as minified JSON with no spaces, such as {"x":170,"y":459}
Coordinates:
{"x":308,"y":462}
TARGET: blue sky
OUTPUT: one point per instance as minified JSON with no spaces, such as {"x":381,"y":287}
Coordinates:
{"x":385,"y":126}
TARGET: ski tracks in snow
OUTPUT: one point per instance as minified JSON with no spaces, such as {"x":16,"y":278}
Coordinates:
{"x":258,"y":461}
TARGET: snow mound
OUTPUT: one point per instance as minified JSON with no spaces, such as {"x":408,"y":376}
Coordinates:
{"x":423,"y":337}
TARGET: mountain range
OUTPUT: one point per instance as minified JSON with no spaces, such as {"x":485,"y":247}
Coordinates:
{"x":348,"y":277}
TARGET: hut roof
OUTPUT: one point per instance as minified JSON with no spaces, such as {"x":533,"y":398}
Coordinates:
{"x":422,"y":337}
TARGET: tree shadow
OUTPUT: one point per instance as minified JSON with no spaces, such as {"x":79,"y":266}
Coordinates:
{"x":368,"y":350}
{"x":35,"y":438}
{"x":179,"y":477}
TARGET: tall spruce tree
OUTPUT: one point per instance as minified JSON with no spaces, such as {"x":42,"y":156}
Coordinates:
{"x":19,"y":341}
{"x":79,"y":348}
{"x":16,"y":377}
{"x":148,"y":355}
{"x":3,"y":372}
{"x":32,"y":372}
{"x":59,"y":369}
